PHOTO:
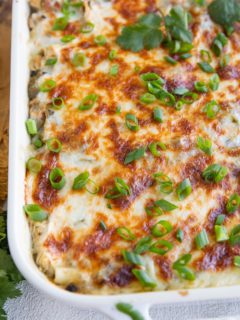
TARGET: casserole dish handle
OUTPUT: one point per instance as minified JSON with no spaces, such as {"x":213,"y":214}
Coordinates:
{"x":114,"y":314}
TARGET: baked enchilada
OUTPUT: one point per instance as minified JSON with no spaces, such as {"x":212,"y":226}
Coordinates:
{"x":132,"y":179}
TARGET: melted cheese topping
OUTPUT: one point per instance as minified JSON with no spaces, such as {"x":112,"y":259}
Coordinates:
{"x":70,"y":247}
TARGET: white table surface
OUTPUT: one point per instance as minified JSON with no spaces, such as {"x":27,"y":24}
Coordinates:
{"x":33,"y":305}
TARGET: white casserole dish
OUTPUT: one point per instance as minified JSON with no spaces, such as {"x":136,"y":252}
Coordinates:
{"x":18,"y":231}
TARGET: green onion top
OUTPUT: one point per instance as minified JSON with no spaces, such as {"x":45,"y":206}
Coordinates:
{"x":161,"y":228}
{"x":165,"y":205}
{"x":87,"y":27}
{"x":126,"y":233}
{"x":221,"y":233}
{"x":144,"y":278}
{"x":164,"y":182}
{"x":131,"y":122}
{"x":88,"y":102}
{"x":233,"y":203}
{"x":60,"y":23}
{"x":206,"y":67}
{"x":170,"y":60}
{"x":47,"y":85}
{"x":57,"y":178}
{"x":206,"y":56}
{"x":211,"y":109}
{"x":54,"y":145}
{"x":79,"y":59}
{"x":235,"y":236}
{"x":214,"y":173}
{"x":155,"y":146}
{"x":35,"y":212}
{"x":132,"y":257}
{"x":147,"y":98}
{"x":220,"y":219}
{"x":236,"y":261}
{"x":80,"y":181}
{"x":179,"y":235}
{"x":158,"y":114}
{"x":201,"y":239}
{"x":218,"y":43}
{"x":51,"y":61}
{"x":143,"y":245}
{"x":200,"y":86}
{"x":100,"y":40}
{"x":112,"y":55}
{"x":214,"y":82}
{"x":120,"y":189}
{"x":31,"y":126}
{"x":224,"y":61}
{"x":129,"y":310}
{"x":184,"y":189}
{"x":34,"y":165}
{"x":161,"y":247}
{"x":67,"y":38}
{"x":114,"y":70}
{"x":205,"y":145}
{"x":134,"y":155}
{"x":57,"y":103}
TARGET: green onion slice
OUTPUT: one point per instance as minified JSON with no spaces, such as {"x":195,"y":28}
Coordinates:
{"x":51,"y":61}
{"x":100,"y":40}
{"x":34,"y":165}
{"x":179,"y":105}
{"x":147,"y":98}
{"x":218,"y":43}
{"x":182,"y":261}
{"x":165,"y":205}
{"x":235,"y":236}
{"x":164,"y":182}
{"x":151,"y":76}
{"x":88,"y":102}
{"x":132,"y":257}
{"x":153,"y":147}
{"x":161,"y":247}
{"x":67,"y":38}
{"x":161,"y":228}
{"x":128,"y":310}
{"x":153,"y":211}
{"x":144,"y":278}
{"x":60,"y":23}
{"x":170,"y":60}
{"x":214,"y":82}
{"x":134,"y":155}
{"x":79,"y":59}
{"x":158,"y":114}
{"x":211,"y":109}
{"x":179,"y":235}
{"x":184,"y":189}
{"x":236,"y":261}
{"x":201,"y":239}
{"x":220,"y":233}
{"x":57,"y":103}
{"x":166,"y":98}
{"x":214,"y":173}
{"x":102,"y":225}
{"x":57,"y":178}
{"x":114,"y":70}
{"x":189,"y":97}
{"x":54,"y":145}
{"x":131,"y":122}
{"x":125,"y":233}
{"x":47,"y":85}
{"x":220,"y":219}
{"x":224,"y":61}
{"x":155,"y":87}
{"x":80,"y":181}
{"x":200,"y":86}
{"x":37,"y":142}
{"x":205,"y":145}
{"x":206,"y":56}
{"x":92,"y":187}
{"x":143,"y":245}
{"x":206,"y":67}
{"x":31,"y":126}
{"x":120,"y":189}
{"x":233,"y":203}
{"x":185,"y":56}
{"x":180,"y":91}
{"x":87,"y":27}
{"x":112,"y":55}
{"x":35,"y":212}
{"x":186,"y":273}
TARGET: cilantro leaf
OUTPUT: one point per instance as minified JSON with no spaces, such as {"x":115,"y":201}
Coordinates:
{"x":177,"y":24}
{"x":225,"y":13}
{"x":144,"y":34}
{"x":7,"y":265}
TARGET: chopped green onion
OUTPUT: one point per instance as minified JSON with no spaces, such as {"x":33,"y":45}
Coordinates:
{"x":165,"y":205}
{"x":118,"y":110}
{"x":57,"y":103}
{"x":147,"y":98}
{"x":180,"y":91}
{"x":186,"y":273}
{"x":79,"y":59}
{"x":161,"y":228}
{"x":200,"y":86}
{"x":153,"y":211}
{"x":80,"y":181}
{"x":189,"y":97}
{"x":37,"y":142}
{"x":137,"y":69}
{"x":166,"y":98}
{"x":131,"y":122}
{"x":60,"y":23}
{"x":125,"y":233}
{"x":233,"y":203}
{"x":143,"y":245}
{"x":114,"y":70}
{"x":47,"y":85}
{"x":182,"y":261}
{"x":185,"y":56}
{"x":143,"y":278}
{"x":164,"y":182}
{"x":151,"y":76}
{"x":206,"y":67}
{"x":179,"y":235}
{"x":155,"y":87}
{"x":236,"y":261}
{"x":221,"y":233}
{"x":57,"y":178}
{"x":34,"y":165}
{"x":35,"y":212}
{"x":54,"y":145}
{"x":220,"y":219}
{"x":102,"y":225}
{"x":206,"y":56}
{"x":214,"y":82}
{"x":201,"y":239}
{"x":67,"y":38}
{"x":179,"y":105}
{"x":132,"y":257}
{"x":218,"y":43}
{"x":158,"y":114}
{"x":211,"y":109}
{"x":128,"y":310}
{"x":214,"y":173}
{"x":201,"y":3}
{"x":51,"y":61}
{"x":184,"y":189}
{"x":153,"y":147}
{"x":161,"y":247}
{"x":88,"y":102}
{"x":170,"y":60}
{"x":121,"y":189}
{"x":235,"y":236}
{"x":224,"y":61}
{"x":100,"y":40}
{"x":87,"y":27}
{"x":112,"y":55}
{"x":205,"y":145}
{"x":94,"y":189}
{"x":134,"y":155}
{"x":31,"y":126}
